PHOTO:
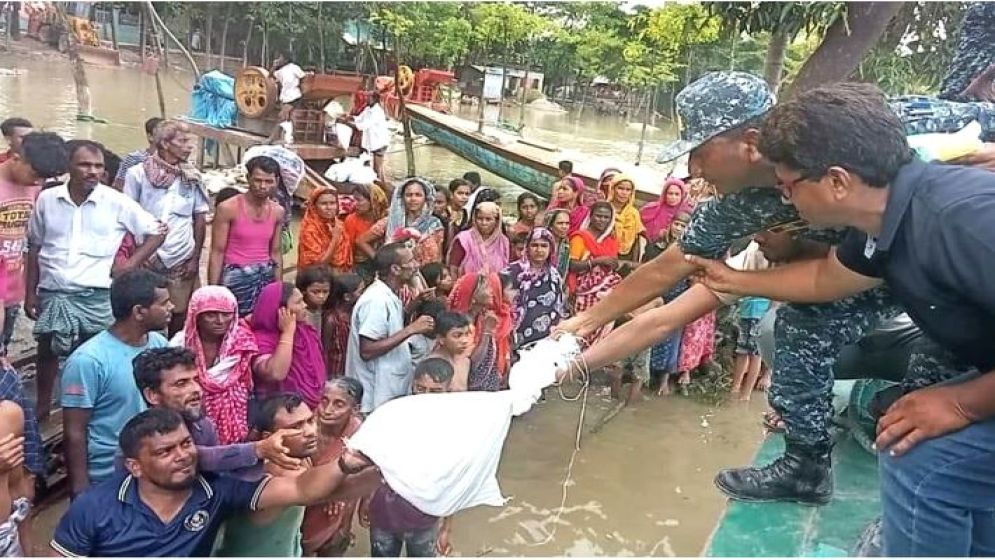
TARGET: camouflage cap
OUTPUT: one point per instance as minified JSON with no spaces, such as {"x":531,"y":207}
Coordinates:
{"x":715,"y":103}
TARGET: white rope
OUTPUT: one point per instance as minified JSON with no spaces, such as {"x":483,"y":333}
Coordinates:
{"x":585,"y":377}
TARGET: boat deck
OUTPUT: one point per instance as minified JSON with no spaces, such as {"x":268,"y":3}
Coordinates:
{"x":783,"y":529}
{"x":242,"y":140}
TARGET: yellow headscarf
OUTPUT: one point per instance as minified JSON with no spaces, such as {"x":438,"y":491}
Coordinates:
{"x":628,"y":224}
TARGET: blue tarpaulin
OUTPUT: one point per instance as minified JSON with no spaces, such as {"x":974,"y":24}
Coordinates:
{"x":213,"y":100}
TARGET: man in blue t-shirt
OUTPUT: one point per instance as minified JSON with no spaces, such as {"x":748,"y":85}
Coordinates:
{"x":98,"y":389}
{"x":164,"y":507}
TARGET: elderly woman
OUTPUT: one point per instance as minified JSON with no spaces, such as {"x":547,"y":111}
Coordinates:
{"x":410,"y":217}
{"x":483,"y":247}
{"x":227,"y":358}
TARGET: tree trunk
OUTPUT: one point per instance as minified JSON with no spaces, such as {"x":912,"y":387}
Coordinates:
{"x":321,"y":40}
{"x":841,"y":51}
{"x":208,"y":35}
{"x":650,"y":108}
{"x":245,"y":47}
{"x":224,"y":39}
{"x":83,"y":101}
{"x":525,"y":96}
{"x":114,"y":13}
{"x":774,"y":60}
{"x":264,"y":52}
{"x":159,"y":25}
{"x":142,"y":39}
{"x":14,"y":26}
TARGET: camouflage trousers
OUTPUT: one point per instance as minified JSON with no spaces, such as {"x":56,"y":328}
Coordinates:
{"x":807,"y":340}
{"x":975,"y":50}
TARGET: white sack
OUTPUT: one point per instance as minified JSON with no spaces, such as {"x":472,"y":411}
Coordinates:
{"x":441,"y":451}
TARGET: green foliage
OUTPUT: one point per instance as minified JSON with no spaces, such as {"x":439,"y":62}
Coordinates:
{"x":790,"y":18}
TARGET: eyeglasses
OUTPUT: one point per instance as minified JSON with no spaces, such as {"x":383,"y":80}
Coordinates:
{"x":787,"y":187}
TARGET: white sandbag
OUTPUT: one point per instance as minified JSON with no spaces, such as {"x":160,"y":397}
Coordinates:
{"x":441,"y":451}
{"x":291,"y":164}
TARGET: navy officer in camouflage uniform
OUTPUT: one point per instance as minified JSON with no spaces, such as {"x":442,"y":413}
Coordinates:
{"x":721,"y":113}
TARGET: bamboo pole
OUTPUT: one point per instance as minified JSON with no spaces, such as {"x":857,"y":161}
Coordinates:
{"x":83,"y":100}
{"x":154,"y":16}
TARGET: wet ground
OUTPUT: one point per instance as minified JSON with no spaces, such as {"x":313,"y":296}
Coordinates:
{"x":641,"y":486}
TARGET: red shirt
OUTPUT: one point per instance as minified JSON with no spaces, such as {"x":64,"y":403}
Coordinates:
{"x":16,"y":204}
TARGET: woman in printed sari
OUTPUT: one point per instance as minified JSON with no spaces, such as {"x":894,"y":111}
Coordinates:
{"x":411,"y":211}
{"x":658,"y":215}
{"x":528,"y":211}
{"x":567,"y":196}
{"x":371,"y":206}
{"x":280,"y":321}
{"x":227,"y":357}
{"x":322,"y":238}
{"x":594,"y":263}
{"x":558,"y":223}
{"x":539,"y":306}
{"x":628,"y":225}
{"x":480,"y":296}
{"x":483,"y":247}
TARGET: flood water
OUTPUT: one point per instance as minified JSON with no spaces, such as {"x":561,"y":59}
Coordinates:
{"x":641,"y":486}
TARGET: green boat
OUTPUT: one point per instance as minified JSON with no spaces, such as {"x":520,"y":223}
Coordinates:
{"x":529,"y":164}
{"x":787,"y":529}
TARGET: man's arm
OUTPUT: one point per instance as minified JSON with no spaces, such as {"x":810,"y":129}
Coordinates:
{"x":370,"y":349}
{"x":219,"y":242}
{"x":319,"y":484}
{"x":810,"y":281}
{"x":74,"y":423}
{"x":144,"y":226}
{"x":649,"y":328}
{"x":275,"y":247}
{"x":199,"y":235}
{"x":645,"y":283}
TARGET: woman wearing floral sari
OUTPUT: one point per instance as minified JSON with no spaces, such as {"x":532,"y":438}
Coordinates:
{"x":481,"y":297}
{"x":322,"y":238}
{"x":628,"y":225}
{"x":594,"y":263}
{"x":411,"y":211}
{"x":567,"y":195}
{"x":227,"y":356}
{"x":483,"y":247}
{"x":539,"y":306}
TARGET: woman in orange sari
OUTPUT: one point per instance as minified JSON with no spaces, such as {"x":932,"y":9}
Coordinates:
{"x":371,"y":205}
{"x":322,"y":236}
{"x":594,"y":263}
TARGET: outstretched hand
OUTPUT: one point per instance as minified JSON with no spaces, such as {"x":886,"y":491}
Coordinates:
{"x":274,"y":451}
{"x":715,"y":274}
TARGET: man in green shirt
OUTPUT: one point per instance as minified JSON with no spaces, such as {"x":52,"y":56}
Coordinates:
{"x":275,"y":532}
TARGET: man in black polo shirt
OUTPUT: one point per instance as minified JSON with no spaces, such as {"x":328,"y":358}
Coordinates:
{"x":164,"y":507}
{"x":928,"y":231}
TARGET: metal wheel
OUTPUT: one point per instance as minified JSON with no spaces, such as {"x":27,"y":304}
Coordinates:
{"x":255,"y":92}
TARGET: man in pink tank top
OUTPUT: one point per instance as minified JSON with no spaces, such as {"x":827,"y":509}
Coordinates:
{"x":245,"y":237}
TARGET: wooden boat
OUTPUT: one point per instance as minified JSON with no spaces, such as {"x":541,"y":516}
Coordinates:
{"x":529,"y":164}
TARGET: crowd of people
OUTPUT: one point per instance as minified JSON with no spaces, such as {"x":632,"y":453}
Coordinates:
{"x":172,"y":380}
{"x":210,"y":414}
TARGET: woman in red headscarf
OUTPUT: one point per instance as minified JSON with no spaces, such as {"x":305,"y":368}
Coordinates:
{"x":658,"y":215}
{"x":568,"y":195}
{"x":481,"y":298}
{"x":322,"y":238}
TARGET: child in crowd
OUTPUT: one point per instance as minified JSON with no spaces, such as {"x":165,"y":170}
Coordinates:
{"x":315,"y":283}
{"x":528,"y":211}
{"x":746,"y":370}
{"x":327,"y":528}
{"x":421,"y":344}
{"x":346,"y":289}
{"x":663,"y":356}
{"x":393,"y":522}
{"x":518,"y":241}
{"x":437,"y":277}
{"x":453,"y":343}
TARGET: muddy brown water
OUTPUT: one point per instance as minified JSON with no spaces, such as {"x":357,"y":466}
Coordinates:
{"x":642,"y":486}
